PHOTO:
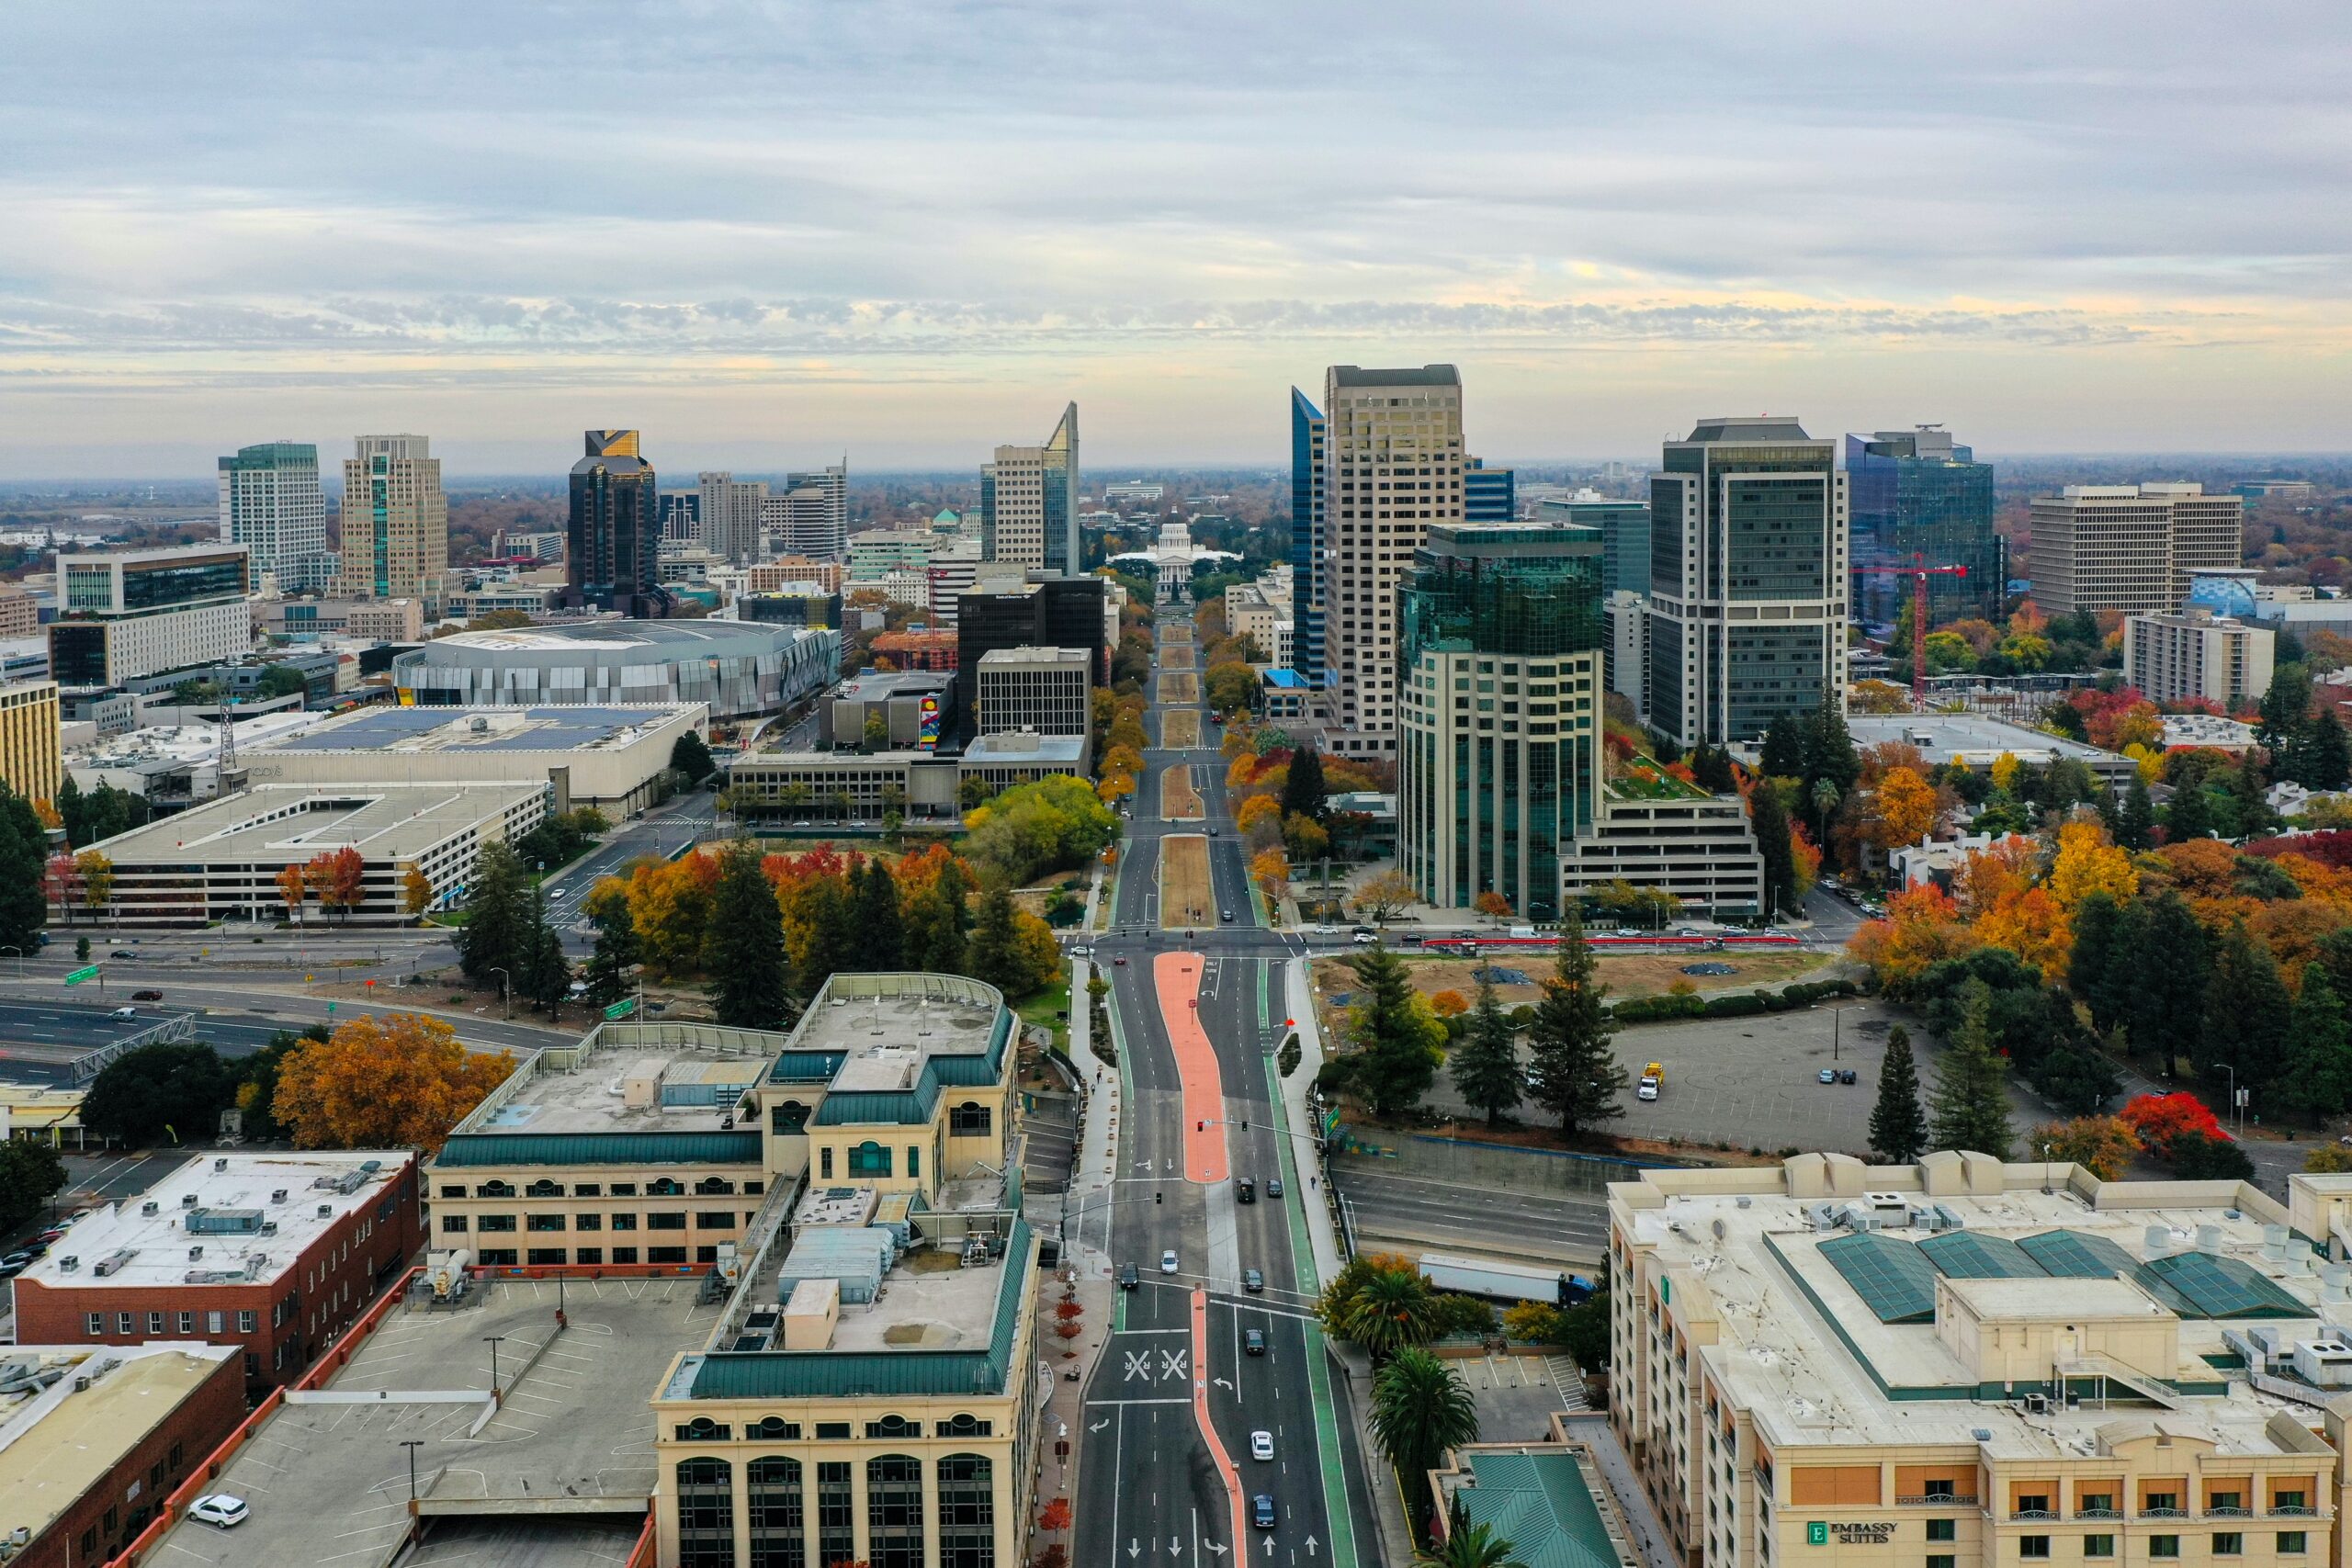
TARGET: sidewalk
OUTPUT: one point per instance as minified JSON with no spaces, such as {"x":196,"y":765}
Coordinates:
{"x":1298,"y":1004}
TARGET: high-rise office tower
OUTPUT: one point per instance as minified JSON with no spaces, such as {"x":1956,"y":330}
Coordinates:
{"x":1489,"y":495}
{"x":613,"y":535}
{"x":395,"y":522}
{"x":1307,"y":543}
{"x":1624,"y":534}
{"x":271,"y":503}
{"x":2129,"y":548}
{"x":682,"y":516}
{"x":729,"y":516}
{"x":1918,"y":496}
{"x":1392,"y":468}
{"x":1747,"y":580}
{"x":1029,"y":502}
{"x":809,"y":516}
{"x":1497,"y":765}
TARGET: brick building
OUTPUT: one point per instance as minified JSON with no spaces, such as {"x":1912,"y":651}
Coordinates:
{"x":273,"y":1253}
{"x":930,"y":651}
{"x":88,"y":1456}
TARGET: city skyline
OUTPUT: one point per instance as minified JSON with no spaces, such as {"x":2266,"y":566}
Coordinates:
{"x":2048,"y":231}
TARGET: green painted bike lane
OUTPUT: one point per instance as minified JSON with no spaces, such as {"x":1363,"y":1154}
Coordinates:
{"x":1336,"y":1511}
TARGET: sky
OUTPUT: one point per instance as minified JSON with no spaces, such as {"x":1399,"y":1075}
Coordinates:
{"x":768,"y":234}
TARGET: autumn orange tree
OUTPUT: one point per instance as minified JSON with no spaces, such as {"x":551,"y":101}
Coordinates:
{"x":392,"y":1081}
{"x":1900,"y":810}
{"x":294,"y":888}
{"x":1492,"y":905}
{"x":335,"y":878}
{"x":416,"y":891}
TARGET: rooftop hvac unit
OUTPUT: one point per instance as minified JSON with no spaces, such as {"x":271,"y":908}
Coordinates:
{"x":2208,"y":1238}
{"x":1884,"y":1200}
{"x":194,"y":1253}
{"x":269,"y":1227}
{"x":189,"y":1200}
{"x":325,"y":1209}
{"x":220,"y":1163}
{"x":69,"y":1264}
{"x":2159,"y":1241}
{"x":151,"y":1208}
{"x":277,"y":1195}
{"x":1746,"y":1201}
{"x":81,"y":1385}
{"x":1863,"y":1217}
{"x":1823,"y":1215}
{"x":112,"y":1262}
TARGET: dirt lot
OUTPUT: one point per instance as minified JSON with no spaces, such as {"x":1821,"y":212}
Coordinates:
{"x":1627,"y":977}
{"x":1185,"y":896}
{"x":1178,"y":801}
{"x":1179,"y":728}
{"x":1178,"y":687}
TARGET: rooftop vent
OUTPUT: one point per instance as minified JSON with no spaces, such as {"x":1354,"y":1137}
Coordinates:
{"x":189,"y":1200}
{"x":277,"y":1195}
{"x":194,"y":1253}
{"x":151,"y":1208}
{"x":325,"y":1209}
{"x":222,"y":1163}
{"x":112,"y":1262}
{"x":1982,"y":1434}
{"x":2208,"y":1238}
{"x":69,"y":1264}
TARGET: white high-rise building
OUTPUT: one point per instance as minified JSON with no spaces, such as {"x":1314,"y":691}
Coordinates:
{"x":731,"y":516}
{"x":1393,"y":466}
{"x":395,"y":522}
{"x":2129,"y":548}
{"x":271,"y":503}
{"x":809,"y":516}
{"x":1029,"y":502}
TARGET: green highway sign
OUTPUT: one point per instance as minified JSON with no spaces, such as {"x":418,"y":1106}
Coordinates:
{"x":79,"y":976}
{"x":622,"y":1009}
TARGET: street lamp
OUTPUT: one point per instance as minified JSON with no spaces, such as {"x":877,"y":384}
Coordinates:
{"x":412,"y":1445}
{"x":2046,"y":1172}
{"x":505,"y":992}
{"x":494,"y":1341}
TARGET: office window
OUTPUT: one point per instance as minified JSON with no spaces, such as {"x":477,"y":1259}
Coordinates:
{"x":586,"y":1255}
{"x":624,"y":1188}
{"x":247,"y":1322}
{"x":2099,"y":1546}
{"x":500,"y":1223}
{"x":2164,"y":1546}
{"x":836,"y":1510}
{"x":587,"y":1222}
{"x":967,"y":1512}
{"x":188,"y":1322}
{"x":665,"y":1255}
{"x":449,"y":1190}
{"x":546,"y":1256}
{"x":624,"y":1221}
{"x":123,"y":1322}
{"x":454,"y":1223}
{"x":706,"y":1513}
{"x":668,"y":1220}
{"x":2229,"y":1544}
{"x":545,"y":1223}
{"x":154,"y":1323}
{"x":1944,"y":1529}
{"x":714,"y":1220}
{"x":623,"y":1255}
{"x":96,"y":1323}
{"x":2031,"y":1547}
{"x":894,"y":1511}
{"x":2291,"y":1543}
{"x":496,"y":1257}
{"x":213,"y":1322}
{"x":778,"y":1513}
{"x":587,"y":1189}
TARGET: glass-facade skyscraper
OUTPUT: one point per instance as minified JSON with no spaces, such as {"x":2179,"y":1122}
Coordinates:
{"x":1918,"y":495}
{"x":1500,"y":660}
{"x":1624,"y":534}
{"x":1488,"y":495}
{"x":613,"y":533}
{"x":1305,"y":535}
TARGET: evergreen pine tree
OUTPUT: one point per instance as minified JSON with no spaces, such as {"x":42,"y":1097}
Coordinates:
{"x":2284,"y":706}
{"x":497,"y":932}
{"x":751,"y":988}
{"x":1783,"y":751}
{"x":691,"y":757}
{"x":1573,"y":1073}
{"x":72,"y":809}
{"x":2328,"y":751}
{"x":1829,"y":749}
{"x":1485,"y":1065}
{"x":2191,"y":815}
{"x":1899,"y":1127}
{"x":934,"y":934}
{"x":2318,"y":1080}
{"x":827,"y":928}
{"x":1711,"y":766}
{"x":2172,"y":960}
{"x":1771,"y":824}
{"x":2246,"y":1010}
{"x":1302,"y":791}
{"x":616,"y":949}
{"x":993,"y":955}
{"x":2135,"y":824}
{"x":881,"y":932}
{"x":1971,"y":1109}
{"x":544,"y":961}
{"x":1394,"y":1036}
{"x":2101,"y":969}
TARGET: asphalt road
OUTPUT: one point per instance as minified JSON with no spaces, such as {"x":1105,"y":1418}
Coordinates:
{"x":659,"y":832}
{"x":1164,"y":1494}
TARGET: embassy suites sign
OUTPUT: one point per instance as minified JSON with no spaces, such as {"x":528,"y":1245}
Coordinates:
{"x":1820,"y":1533}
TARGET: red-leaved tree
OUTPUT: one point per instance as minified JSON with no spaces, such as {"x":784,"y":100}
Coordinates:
{"x":2161,"y":1120}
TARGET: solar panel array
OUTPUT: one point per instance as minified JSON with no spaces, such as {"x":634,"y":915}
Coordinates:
{"x":545,"y":729}
{"x":1896,"y":1279}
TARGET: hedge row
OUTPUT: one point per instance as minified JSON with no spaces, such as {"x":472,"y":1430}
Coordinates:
{"x":1805,"y":993}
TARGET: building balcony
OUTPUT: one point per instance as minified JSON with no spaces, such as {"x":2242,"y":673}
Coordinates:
{"x":2033,"y":1515}
{"x":1938,"y":1500}
{"x":2294,"y":1513}
{"x":2099,"y":1512}
{"x":2228,"y":1513}
{"x":2163,"y":1513}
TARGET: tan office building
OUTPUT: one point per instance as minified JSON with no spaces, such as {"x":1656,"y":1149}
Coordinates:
{"x":1392,"y":466}
{"x":1963,"y":1361}
{"x":29,"y":755}
{"x":2196,"y":654}
{"x":2129,"y":548}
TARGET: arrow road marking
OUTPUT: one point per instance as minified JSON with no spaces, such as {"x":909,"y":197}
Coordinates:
{"x":1311,"y":1544}
{"x":1175,"y":1546}
{"x":1269,"y":1546}
{"x":1222,"y":1384}
{"x":1214,"y":1547}
{"x":1134,"y":1551}
{"x":1100,"y":1424}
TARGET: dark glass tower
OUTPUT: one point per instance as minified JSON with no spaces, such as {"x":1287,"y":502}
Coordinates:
{"x":613,"y":532}
{"x":1307,"y":431}
{"x":1489,"y":495}
{"x":1917,"y":494}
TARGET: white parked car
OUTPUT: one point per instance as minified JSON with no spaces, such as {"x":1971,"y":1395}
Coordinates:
{"x":1261,"y":1445}
{"x":218,"y":1508}
{"x":1168,"y":1261}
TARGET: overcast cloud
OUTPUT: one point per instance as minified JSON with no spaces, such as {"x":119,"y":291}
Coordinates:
{"x":764,"y":233}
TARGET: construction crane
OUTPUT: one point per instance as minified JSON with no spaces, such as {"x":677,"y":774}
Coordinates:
{"x":1918,"y":571}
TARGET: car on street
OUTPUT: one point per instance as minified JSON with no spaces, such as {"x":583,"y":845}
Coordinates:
{"x":146,"y":995}
{"x":1364,"y":939}
{"x":218,"y":1508}
{"x":122,"y":952}
{"x":1253,"y":1281}
{"x":1225,"y":915}
{"x":1261,"y":1445}
{"x":1273,"y":1187}
{"x":15,"y":1264}
{"x":1261,"y":1511}
{"x":1129,"y":1279}
{"x":1168,"y":1261}
{"x":1253,"y":1341}
{"x":1212,"y":832}
{"x":1625,"y":930}
{"x":124,"y":1012}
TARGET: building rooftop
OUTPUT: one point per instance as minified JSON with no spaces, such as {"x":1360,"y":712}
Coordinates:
{"x":657,"y":639}
{"x":1072,"y":656}
{"x":386,"y":728}
{"x":252,"y":1214}
{"x":1942,"y":737}
{"x":880,"y":685}
{"x":1831,"y":1333}
{"x":1012,"y":746}
{"x":2207,"y":729}
{"x":1540,"y":1497}
{"x":1759,"y":427}
{"x":288,"y":823}
{"x":627,"y":1094}
{"x":887,"y":1045}
{"x":1427,"y":375}
{"x":57,"y":1440}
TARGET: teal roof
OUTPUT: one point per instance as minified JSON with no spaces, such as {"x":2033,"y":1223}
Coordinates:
{"x":833,"y":1374}
{"x":601,"y":1148}
{"x":1964,"y":1255}
{"x":807,"y":1066}
{"x":1896,"y":1280}
{"x":2077,"y":1255}
{"x":2202,"y":1284}
{"x":860,"y":1108}
{"x":1540,"y":1504}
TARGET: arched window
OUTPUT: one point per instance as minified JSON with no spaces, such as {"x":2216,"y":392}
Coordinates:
{"x":665,"y":1186}
{"x":894,"y":1511}
{"x":965,"y":1426}
{"x":789,"y":1117}
{"x":495,"y":1190}
{"x":967,"y":1511}
{"x":543,"y":1188}
{"x":869,"y":1158}
{"x":894,"y":1427}
{"x":703,"y":1429}
{"x":706,"y":1513}
{"x":712,"y":1186}
{"x":970,"y":1120}
{"x":778,"y":1512}
{"x":775,"y":1428}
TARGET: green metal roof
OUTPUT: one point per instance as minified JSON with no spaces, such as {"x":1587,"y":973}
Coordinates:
{"x":1895,"y":1280}
{"x":807,"y":1066}
{"x":1540,"y":1504}
{"x":829,"y":1374}
{"x":860,"y":1108}
{"x":600,"y":1148}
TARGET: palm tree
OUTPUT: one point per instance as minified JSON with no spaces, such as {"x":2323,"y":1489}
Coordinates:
{"x":1420,"y":1409}
{"x":1391,"y":1312}
{"x":1469,"y":1546}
